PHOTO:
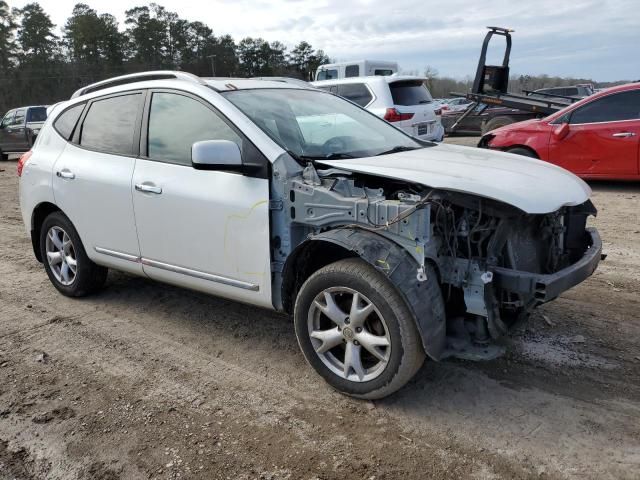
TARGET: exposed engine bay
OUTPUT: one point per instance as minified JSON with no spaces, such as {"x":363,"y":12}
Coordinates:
{"x":494,"y":263}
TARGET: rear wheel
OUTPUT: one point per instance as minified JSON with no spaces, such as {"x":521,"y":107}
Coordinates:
{"x":522,"y":151}
{"x":65,"y":260}
{"x":356,"y":330}
{"x":496,"y":122}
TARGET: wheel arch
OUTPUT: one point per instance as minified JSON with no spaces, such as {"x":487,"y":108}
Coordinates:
{"x":524,"y":147}
{"x":40,"y":212}
{"x":388,"y":258}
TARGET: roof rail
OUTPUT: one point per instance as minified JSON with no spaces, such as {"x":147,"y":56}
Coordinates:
{"x":138,"y":77}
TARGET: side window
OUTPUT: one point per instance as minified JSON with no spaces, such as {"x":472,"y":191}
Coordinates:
{"x":8,"y":118}
{"x":176,"y":122}
{"x":19,"y":118}
{"x":612,"y":108}
{"x":66,"y":122}
{"x":382,"y":72}
{"x":110,"y":124}
{"x":327,"y":74}
{"x":37,"y":114}
{"x":358,"y":93}
{"x":352,"y":71}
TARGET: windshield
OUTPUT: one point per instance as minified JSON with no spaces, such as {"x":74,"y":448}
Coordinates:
{"x":314,"y":124}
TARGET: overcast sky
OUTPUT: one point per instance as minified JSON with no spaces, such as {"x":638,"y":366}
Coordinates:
{"x":596,"y":39}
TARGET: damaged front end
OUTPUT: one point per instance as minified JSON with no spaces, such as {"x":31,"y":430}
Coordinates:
{"x":493,"y":262}
{"x":498,"y":263}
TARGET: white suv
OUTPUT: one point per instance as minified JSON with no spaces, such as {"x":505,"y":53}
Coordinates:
{"x":384,"y":248}
{"x":402,"y":100}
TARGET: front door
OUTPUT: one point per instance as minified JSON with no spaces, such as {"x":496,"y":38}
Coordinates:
{"x":92,"y":180}
{"x":207,"y":230}
{"x":4,"y":134}
{"x":603,"y":137}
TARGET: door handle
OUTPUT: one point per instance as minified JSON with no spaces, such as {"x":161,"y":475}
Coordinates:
{"x":623,"y":134}
{"x":66,"y":174}
{"x":145,"y":187}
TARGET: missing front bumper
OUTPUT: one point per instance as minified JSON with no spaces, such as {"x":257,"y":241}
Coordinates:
{"x":547,"y":287}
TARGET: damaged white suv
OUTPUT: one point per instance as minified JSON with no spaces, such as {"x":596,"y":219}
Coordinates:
{"x":383,"y":247}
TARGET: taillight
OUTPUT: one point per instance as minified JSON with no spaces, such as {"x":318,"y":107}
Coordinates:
{"x":23,"y":161}
{"x":393,"y":115}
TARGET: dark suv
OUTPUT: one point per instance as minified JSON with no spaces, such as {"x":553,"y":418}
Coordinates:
{"x":19,"y":129}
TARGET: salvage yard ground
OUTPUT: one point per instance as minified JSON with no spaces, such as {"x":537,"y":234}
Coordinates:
{"x":149,"y":381}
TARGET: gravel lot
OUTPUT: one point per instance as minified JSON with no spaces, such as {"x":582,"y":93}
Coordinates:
{"x":149,"y":381}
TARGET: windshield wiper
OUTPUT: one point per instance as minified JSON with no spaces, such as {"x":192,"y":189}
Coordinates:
{"x":307,"y":158}
{"x":399,"y":148}
{"x":337,"y":156}
{"x":301,"y":158}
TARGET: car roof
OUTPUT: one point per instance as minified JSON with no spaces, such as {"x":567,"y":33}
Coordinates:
{"x":28,"y":106}
{"x":162,"y":78}
{"x":369,"y":79}
{"x":229,"y":84}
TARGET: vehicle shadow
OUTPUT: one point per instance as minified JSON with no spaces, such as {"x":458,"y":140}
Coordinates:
{"x":254,"y":338}
{"x":614,"y":187}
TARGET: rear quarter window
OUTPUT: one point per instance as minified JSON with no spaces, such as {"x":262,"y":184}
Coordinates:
{"x":412,"y":92}
{"x":66,"y":121}
{"x":358,"y":93}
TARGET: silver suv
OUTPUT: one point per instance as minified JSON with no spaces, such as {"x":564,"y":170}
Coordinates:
{"x":402,"y":100}
{"x":384,"y":248}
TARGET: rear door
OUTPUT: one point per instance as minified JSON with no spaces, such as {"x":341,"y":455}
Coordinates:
{"x":92,"y":177}
{"x":207,"y":230}
{"x":413,"y":97}
{"x":603,"y":137}
{"x":15,"y":137}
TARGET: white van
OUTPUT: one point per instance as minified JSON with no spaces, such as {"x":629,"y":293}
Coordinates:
{"x":403,"y":100}
{"x":357,"y":68}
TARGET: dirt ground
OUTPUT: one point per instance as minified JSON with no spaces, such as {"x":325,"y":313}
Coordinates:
{"x":150,"y":381}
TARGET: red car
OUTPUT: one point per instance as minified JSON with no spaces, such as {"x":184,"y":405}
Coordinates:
{"x":595,"y":138}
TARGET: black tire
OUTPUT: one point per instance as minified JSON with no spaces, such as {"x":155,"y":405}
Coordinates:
{"x":496,"y":122}
{"x":88,"y":277}
{"x":3,"y":156}
{"x":522,"y":151}
{"x":406,"y":352}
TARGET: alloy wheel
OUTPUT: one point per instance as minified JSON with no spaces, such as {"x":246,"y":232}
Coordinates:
{"x":349,"y":334}
{"x":61,"y":256}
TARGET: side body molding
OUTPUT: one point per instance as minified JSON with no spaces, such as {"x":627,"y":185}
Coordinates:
{"x":400,"y":268}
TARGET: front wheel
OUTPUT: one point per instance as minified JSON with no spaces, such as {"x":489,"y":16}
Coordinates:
{"x":356,"y":331}
{"x":65,"y":260}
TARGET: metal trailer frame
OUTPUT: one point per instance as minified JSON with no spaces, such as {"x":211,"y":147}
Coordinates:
{"x":542,"y":106}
